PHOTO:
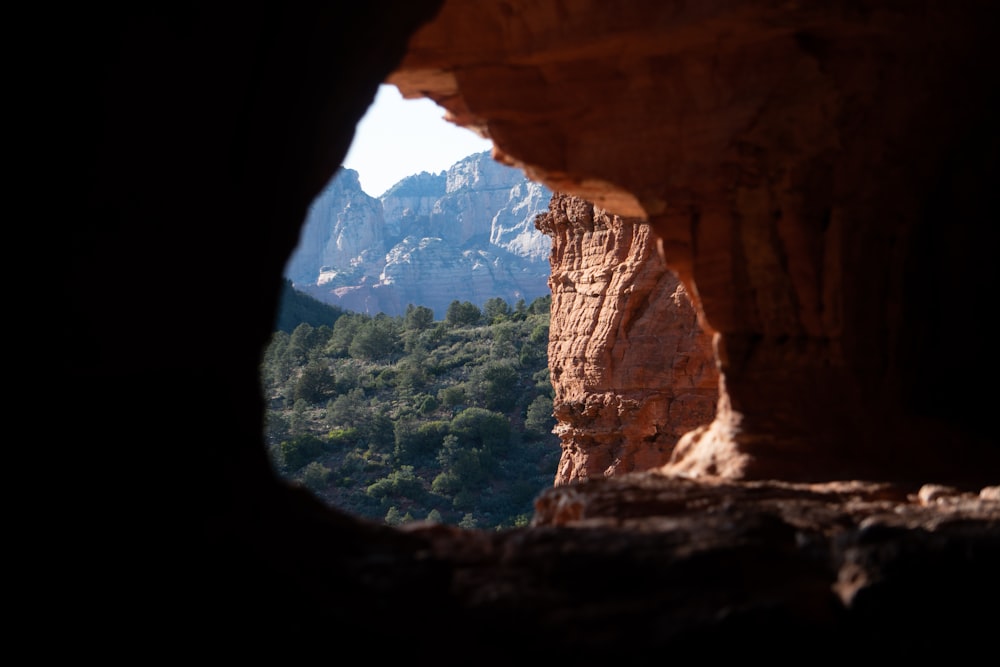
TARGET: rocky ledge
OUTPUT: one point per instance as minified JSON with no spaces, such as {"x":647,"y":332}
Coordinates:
{"x":671,"y":566}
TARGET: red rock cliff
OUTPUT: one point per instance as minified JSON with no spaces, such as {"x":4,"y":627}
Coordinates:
{"x":814,"y":173}
{"x":631,"y":368}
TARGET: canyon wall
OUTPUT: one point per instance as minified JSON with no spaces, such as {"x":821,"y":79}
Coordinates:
{"x":806,"y":167}
{"x":464,"y":234}
{"x":631,"y":367}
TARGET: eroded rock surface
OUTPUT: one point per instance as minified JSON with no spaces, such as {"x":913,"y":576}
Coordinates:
{"x":797,"y":161}
{"x":464,"y":234}
{"x":631,"y":367}
{"x":843,"y":569}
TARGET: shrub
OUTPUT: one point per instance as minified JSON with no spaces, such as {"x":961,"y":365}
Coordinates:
{"x":418,"y":440}
{"x":315,"y":476}
{"x":393,"y":517}
{"x":402,"y":482}
{"x":342,"y":437}
{"x":315,"y":384}
{"x":428,"y":405}
{"x":452,"y":396}
{"x":479,"y":427}
{"x":300,"y":450}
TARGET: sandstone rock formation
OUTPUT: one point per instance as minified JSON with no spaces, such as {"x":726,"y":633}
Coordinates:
{"x":774,"y":148}
{"x":821,"y":176}
{"x":631,"y":367}
{"x":466,"y":234}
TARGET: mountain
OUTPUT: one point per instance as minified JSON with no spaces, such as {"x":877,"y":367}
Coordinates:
{"x":463,"y":234}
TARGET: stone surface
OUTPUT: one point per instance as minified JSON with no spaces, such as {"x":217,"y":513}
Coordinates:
{"x":774,"y":148}
{"x":631,"y":367}
{"x":768,"y":568}
{"x":176,"y":133}
{"x":467,"y":234}
{"x":344,"y":232}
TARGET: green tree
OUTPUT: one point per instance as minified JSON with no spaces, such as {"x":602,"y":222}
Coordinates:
{"x":539,"y":419}
{"x":543,"y":382}
{"x":378,"y":432}
{"x":381,"y":412}
{"x":505,"y":339}
{"x":411,"y":375}
{"x":300,"y":343}
{"x":393,"y":517}
{"x":342,"y":335}
{"x":348,"y":409}
{"x":541,"y":306}
{"x":402,"y":482}
{"x":415,"y":441}
{"x":300,"y":450}
{"x":428,"y":404}
{"x":496,"y":310}
{"x":307,"y":341}
{"x":374,"y":340}
{"x":349,"y":376}
{"x":464,"y":313}
{"x":418,"y":318}
{"x":315,"y":476}
{"x":540,"y":334}
{"x":276,"y":364}
{"x":315,"y":384}
{"x":482,"y":428}
{"x":298,"y":421}
{"x":497,"y":385}
{"x":452,"y":396}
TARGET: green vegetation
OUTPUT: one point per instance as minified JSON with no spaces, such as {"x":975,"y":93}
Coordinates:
{"x":406,"y":418}
{"x":297,"y":308}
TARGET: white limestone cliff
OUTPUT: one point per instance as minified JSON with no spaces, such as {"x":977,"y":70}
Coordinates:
{"x":467,"y":233}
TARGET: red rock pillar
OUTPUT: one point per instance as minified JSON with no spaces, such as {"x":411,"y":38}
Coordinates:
{"x":631,"y":368}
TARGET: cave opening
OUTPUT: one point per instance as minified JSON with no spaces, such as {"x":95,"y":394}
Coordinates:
{"x":395,"y":389}
{"x":147,"y":546}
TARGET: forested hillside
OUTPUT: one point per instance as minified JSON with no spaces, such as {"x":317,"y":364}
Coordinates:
{"x":407,"y":418}
{"x":298,"y":308}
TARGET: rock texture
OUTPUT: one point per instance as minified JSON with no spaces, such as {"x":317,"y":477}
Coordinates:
{"x":822,"y":177}
{"x":631,"y":367}
{"x":466,"y":234}
{"x":344,"y":234}
{"x":774,"y":148}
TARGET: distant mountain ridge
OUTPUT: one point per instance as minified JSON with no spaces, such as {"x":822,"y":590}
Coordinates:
{"x":464,"y":234}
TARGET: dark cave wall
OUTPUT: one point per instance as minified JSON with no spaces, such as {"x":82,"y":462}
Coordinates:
{"x":190,"y":142}
{"x":209,"y":133}
{"x":186,"y":143}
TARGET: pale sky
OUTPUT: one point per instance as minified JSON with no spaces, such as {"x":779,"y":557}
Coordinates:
{"x":398,"y":138}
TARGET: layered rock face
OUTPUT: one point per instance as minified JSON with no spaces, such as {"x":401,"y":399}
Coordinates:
{"x":631,"y":367}
{"x":797,"y":161}
{"x":466,"y":234}
{"x":345,"y":228}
